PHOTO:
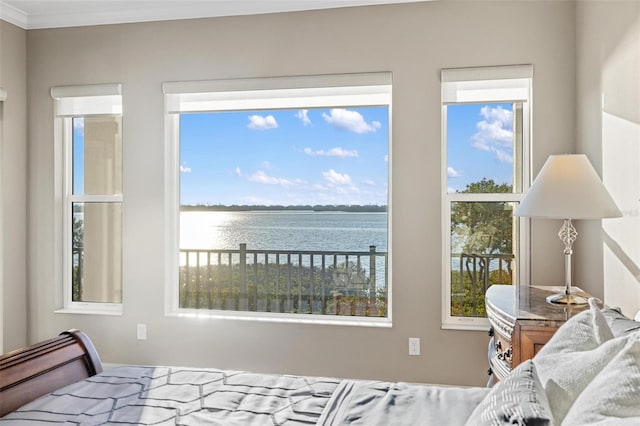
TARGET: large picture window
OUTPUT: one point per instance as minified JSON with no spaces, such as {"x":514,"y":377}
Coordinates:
{"x":280,"y":205}
{"x":485,"y":137}
{"x":89,"y":135}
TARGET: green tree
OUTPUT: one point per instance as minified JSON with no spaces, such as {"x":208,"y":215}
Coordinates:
{"x":486,"y":227}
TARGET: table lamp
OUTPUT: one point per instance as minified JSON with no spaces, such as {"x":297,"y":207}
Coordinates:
{"x":567,"y":188}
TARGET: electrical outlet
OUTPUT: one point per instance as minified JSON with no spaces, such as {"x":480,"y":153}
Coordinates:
{"x":142,"y":331}
{"x":414,"y":346}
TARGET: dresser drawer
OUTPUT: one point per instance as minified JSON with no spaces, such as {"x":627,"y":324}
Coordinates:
{"x":500,"y":353}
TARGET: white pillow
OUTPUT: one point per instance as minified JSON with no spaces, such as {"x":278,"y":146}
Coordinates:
{"x":613,"y":396}
{"x":575,"y":354}
{"x":585,"y":331}
{"x":519,"y":399}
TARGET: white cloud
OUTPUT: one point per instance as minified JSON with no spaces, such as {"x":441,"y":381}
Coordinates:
{"x":503,"y":156}
{"x":319,"y":187}
{"x":266,"y":164}
{"x":352,"y":121}
{"x":336,"y":178}
{"x":78,"y":123}
{"x":495,"y":132}
{"x":386,"y":158}
{"x":238,"y":172}
{"x":451,"y":172}
{"x":303,"y":116}
{"x":258,"y":122}
{"x":185,"y":169}
{"x":333,"y":152}
{"x":369,"y":182}
{"x":262,"y":177}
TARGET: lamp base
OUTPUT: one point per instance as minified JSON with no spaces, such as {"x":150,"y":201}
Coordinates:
{"x":567,"y":299}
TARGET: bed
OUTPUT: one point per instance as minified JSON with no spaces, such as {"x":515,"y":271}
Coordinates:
{"x":588,"y":373}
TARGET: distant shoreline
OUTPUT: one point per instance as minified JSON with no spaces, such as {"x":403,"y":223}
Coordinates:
{"x":315,"y":208}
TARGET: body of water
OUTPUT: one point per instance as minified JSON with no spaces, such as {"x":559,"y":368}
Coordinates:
{"x":283,"y":230}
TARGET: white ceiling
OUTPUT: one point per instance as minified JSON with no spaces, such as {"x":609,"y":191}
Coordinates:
{"x":31,"y":14}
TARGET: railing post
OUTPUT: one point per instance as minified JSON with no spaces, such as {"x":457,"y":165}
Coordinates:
{"x":243,"y":302}
{"x":372,"y":276}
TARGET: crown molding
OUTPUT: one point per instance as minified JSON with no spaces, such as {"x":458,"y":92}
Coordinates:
{"x":13,"y":15}
{"x":103,"y":14}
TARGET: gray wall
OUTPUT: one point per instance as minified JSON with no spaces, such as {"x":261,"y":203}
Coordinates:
{"x":414,"y":41}
{"x":13,"y":166}
{"x":608,"y":131}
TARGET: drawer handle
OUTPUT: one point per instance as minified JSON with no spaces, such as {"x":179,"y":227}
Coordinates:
{"x":506,"y":356}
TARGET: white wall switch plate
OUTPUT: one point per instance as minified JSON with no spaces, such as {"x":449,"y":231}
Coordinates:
{"x":142,"y":331}
{"x":414,"y":346}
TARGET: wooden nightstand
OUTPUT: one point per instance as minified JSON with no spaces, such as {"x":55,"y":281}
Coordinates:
{"x":521,"y":323}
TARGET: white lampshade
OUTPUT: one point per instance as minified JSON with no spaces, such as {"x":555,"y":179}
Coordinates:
{"x":568,"y":187}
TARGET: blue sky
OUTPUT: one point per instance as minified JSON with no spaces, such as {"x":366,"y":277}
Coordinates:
{"x":479,"y":144}
{"x":319,"y":156}
{"x":285,"y":157}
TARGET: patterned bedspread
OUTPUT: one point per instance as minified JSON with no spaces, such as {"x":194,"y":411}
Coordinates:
{"x":187,"y":396}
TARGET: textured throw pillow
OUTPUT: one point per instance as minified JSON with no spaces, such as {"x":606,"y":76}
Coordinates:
{"x":519,"y":399}
{"x":613,"y":396}
{"x":620,"y":324}
{"x":586,"y":330}
{"x":575,"y":354}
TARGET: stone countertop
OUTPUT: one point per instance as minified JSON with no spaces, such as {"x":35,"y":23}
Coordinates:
{"x":512,"y":302}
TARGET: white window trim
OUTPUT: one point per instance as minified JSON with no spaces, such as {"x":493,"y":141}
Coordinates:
{"x":70,"y":101}
{"x":3,"y":97}
{"x":347,"y":90}
{"x":469,"y":85}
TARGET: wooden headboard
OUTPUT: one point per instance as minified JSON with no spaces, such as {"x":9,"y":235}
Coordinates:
{"x":30,"y":372}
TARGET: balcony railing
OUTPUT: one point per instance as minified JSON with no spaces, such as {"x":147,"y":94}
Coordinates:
{"x":471,"y":275}
{"x":284,"y":281}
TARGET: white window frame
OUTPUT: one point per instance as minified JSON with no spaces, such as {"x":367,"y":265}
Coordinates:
{"x":484,"y":85}
{"x":326,"y":91}
{"x":70,"y":102}
{"x":3,"y":97}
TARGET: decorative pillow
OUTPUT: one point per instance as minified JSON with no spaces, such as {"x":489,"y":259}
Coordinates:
{"x":519,"y":399}
{"x":619,"y":323}
{"x":587,"y":330}
{"x":613,"y":396}
{"x":575,"y":354}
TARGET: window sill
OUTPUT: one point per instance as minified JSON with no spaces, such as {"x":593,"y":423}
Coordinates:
{"x":469,"y":324}
{"x":283,"y":318}
{"x":92,"y":309}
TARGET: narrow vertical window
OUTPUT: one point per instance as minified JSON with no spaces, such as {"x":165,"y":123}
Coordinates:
{"x":89,"y":128}
{"x":485,"y":137}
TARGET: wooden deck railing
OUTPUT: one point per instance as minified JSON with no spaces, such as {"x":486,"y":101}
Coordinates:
{"x":284,"y":281}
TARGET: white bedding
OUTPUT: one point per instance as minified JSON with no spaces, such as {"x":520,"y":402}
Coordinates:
{"x":186,"y":396}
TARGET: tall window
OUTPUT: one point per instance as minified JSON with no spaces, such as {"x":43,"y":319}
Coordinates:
{"x":280,"y":204}
{"x":89,"y":129}
{"x":485,"y":137}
